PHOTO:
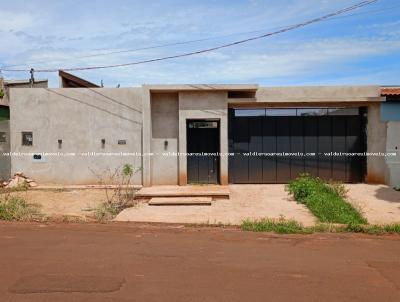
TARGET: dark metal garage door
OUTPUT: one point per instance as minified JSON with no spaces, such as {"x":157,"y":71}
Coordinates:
{"x":276,"y":145}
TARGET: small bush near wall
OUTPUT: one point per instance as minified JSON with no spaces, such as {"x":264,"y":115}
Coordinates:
{"x":325,"y":200}
{"x":118,"y":190}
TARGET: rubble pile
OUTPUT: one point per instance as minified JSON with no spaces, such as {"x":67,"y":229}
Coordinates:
{"x":19,"y":179}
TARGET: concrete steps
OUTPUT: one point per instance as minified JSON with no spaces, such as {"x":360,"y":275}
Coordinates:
{"x":180,"y":201}
{"x":213,"y":191}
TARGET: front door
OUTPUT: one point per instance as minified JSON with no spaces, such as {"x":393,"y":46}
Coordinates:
{"x":202,"y":151}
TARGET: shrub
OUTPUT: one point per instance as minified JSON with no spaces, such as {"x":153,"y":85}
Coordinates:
{"x":119,"y":191}
{"x":106,"y":211}
{"x":303,"y":187}
{"x":16,"y":208}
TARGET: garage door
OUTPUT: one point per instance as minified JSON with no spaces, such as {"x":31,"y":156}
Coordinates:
{"x":276,"y":145}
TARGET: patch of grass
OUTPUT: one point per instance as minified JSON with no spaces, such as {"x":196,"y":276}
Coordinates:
{"x":16,"y":208}
{"x":106,"y":211}
{"x":325,"y":200}
{"x":280,"y":226}
{"x":374,"y":229}
{"x":392,"y":228}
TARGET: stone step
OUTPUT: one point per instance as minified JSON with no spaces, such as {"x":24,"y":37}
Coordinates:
{"x":180,"y":201}
{"x":183,"y":191}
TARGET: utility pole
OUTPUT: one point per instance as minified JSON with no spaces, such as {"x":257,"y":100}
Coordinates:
{"x":32,"y":80}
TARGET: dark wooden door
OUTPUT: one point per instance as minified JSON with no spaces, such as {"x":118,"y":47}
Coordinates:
{"x":203,"y":152}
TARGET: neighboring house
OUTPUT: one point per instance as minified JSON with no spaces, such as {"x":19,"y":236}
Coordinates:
{"x":8,"y":84}
{"x":5,"y":86}
{"x":154,"y":127}
{"x":390,"y":114}
{"x":68,"y":80}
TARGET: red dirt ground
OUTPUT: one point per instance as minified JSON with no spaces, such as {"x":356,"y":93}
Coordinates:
{"x":133,"y":262}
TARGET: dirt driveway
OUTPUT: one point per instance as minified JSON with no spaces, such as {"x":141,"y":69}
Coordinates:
{"x":65,"y":202}
{"x":246,"y":201}
{"x":127,"y":262}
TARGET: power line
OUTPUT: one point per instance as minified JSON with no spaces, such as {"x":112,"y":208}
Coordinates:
{"x":110,"y":51}
{"x":140,"y":48}
{"x":283,"y":30}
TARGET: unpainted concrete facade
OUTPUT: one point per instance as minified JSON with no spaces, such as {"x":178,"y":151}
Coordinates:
{"x":5,"y":160}
{"x":152,"y":120}
{"x":393,"y":145}
{"x":81,"y":118}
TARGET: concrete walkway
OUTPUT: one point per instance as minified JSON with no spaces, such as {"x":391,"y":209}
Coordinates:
{"x":246,"y":201}
{"x":378,"y":203}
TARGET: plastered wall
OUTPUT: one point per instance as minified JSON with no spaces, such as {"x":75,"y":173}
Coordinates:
{"x":81,"y":118}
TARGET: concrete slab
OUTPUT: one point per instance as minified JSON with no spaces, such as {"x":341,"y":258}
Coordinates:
{"x":246,"y":202}
{"x":195,"y":190}
{"x":379,"y":203}
{"x":177,"y":201}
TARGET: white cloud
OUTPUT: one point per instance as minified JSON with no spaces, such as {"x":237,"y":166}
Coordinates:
{"x":317,"y":50}
{"x":16,"y":21}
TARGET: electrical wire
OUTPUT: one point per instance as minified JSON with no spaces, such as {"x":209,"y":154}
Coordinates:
{"x":110,"y":51}
{"x":283,"y":30}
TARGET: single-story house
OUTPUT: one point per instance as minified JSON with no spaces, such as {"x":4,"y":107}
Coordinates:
{"x":206,"y":133}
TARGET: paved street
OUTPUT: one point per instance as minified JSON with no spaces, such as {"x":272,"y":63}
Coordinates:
{"x":132,"y":262}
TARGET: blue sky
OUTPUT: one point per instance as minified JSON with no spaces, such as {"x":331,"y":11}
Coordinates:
{"x":360,"y":48}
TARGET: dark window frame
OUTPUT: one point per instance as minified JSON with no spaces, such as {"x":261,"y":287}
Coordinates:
{"x":3,"y":137}
{"x":25,"y":141}
{"x":296,"y":111}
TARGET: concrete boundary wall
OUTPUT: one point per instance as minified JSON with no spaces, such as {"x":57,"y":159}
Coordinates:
{"x":81,"y":118}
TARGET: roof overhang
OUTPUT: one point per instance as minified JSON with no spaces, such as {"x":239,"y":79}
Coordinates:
{"x":201,"y":87}
{"x":68,"y":80}
{"x":385,"y":91}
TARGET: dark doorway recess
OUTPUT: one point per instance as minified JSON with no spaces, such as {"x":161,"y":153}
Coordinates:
{"x":203,"y":151}
{"x":296,"y":130}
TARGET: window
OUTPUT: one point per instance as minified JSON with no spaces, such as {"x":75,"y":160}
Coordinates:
{"x":3,"y":137}
{"x":241,"y":94}
{"x":343,"y":111}
{"x":203,"y":124}
{"x":296,"y":112}
{"x":27,"y":139}
{"x":311,"y":111}
{"x":250,"y":112}
{"x":281,"y":112}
